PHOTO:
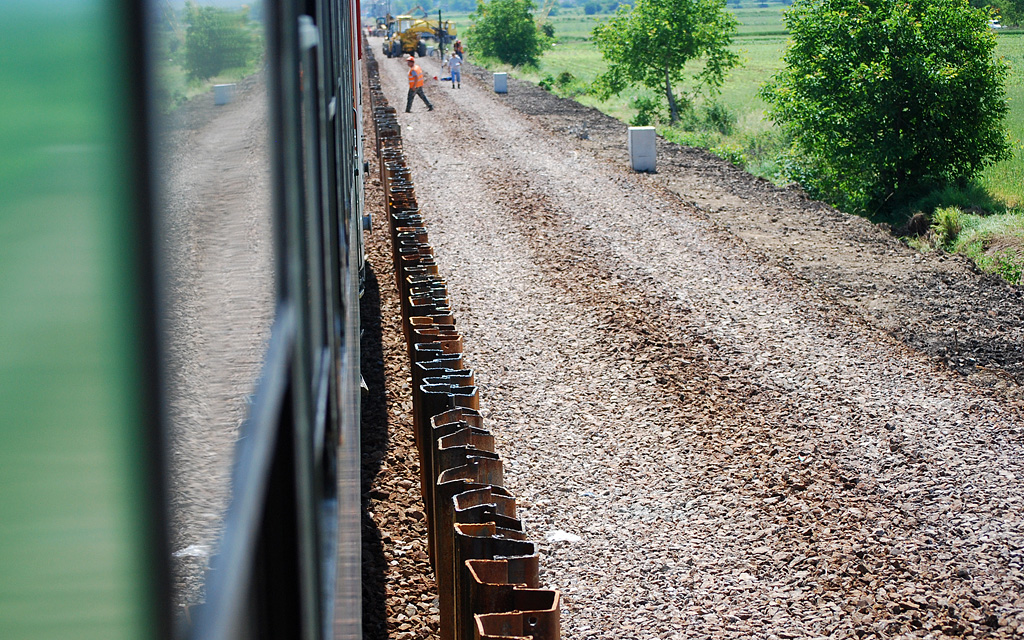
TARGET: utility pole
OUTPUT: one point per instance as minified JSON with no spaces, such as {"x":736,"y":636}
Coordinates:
{"x":442,"y":34}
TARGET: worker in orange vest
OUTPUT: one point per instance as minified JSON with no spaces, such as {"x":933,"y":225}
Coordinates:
{"x":416,"y":77}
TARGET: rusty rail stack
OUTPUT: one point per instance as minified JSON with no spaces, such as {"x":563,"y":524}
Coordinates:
{"x":487,"y":572}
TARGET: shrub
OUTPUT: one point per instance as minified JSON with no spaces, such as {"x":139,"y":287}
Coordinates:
{"x":971,"y":197}
{"x":1010,"y":265}
{"x":216,"y":40}
{"x":564,"y":84}
{"x":947,"y":223}
{"x":718,"y":118}
{"x":649,"y":111}
{"x":711,"y":118}
{"x":689,"y":138}
{"x":765,"y":145}
{"x":730,"y":151}
{"x":887,"y":100}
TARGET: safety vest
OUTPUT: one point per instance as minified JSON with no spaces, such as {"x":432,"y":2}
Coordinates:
{"x":415,"y":77}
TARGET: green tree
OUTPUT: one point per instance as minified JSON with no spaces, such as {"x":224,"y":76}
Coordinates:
{"x":888,"y":99}
{"x":216,"y":39}
{"x":1008,"y":11}
{"x":651,"y":43}
{"x":504,"y":29}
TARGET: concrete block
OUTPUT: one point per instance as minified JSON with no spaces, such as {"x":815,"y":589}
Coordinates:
{"x":501,"y":82}
{"x":642,"y":149}
{"x":223,"y":93}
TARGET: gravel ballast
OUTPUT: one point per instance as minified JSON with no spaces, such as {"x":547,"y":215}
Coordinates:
{"x":747,"y":407}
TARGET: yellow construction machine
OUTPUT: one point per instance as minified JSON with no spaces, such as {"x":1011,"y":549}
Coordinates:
{"x":407,"y":34}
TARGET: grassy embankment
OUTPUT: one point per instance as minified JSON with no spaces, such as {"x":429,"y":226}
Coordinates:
{"x":994,"y":241}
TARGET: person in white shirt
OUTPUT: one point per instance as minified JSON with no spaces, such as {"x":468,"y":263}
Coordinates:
{"x":455,"y":66}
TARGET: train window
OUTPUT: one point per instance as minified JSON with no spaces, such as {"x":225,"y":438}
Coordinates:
{"x":213,"y":181}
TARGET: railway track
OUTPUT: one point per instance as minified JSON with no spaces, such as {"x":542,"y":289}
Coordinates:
{"x":486,"y":571}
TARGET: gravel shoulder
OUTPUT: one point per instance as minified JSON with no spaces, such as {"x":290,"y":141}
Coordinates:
{"x":752,"y":409}
{"x":938,"y":303}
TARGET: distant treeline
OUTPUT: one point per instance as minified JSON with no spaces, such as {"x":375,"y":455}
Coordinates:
{"x":1010,"y":12}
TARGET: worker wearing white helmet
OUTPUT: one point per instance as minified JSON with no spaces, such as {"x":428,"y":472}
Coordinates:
{"x":416,"y":78}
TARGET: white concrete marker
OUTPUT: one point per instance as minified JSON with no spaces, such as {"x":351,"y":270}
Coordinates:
{"x":223,"y":93}
{"x":642,"y":154}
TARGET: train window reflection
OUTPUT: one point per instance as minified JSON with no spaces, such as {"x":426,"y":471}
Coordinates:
{"x":213,"y":167}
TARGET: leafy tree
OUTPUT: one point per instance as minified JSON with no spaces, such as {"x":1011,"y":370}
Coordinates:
{"x":216,"y":39}
{"x":1008,"y":11}
{"x":591,"y":8}
{"x":504,"y":29}
{"x":888,"y":99}
{"x":650,"y":44}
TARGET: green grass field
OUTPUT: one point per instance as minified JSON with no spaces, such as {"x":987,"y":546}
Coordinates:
{"x":1006,"y":180}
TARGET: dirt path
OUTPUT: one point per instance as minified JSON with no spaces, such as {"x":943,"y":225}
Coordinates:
{"x":220,"y":291}
{"x":687,"y":371}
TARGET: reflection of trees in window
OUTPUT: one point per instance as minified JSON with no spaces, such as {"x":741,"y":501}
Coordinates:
{"x":217,"y":39}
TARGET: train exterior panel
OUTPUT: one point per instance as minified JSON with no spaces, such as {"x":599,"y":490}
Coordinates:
{"x":83,"y":504}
